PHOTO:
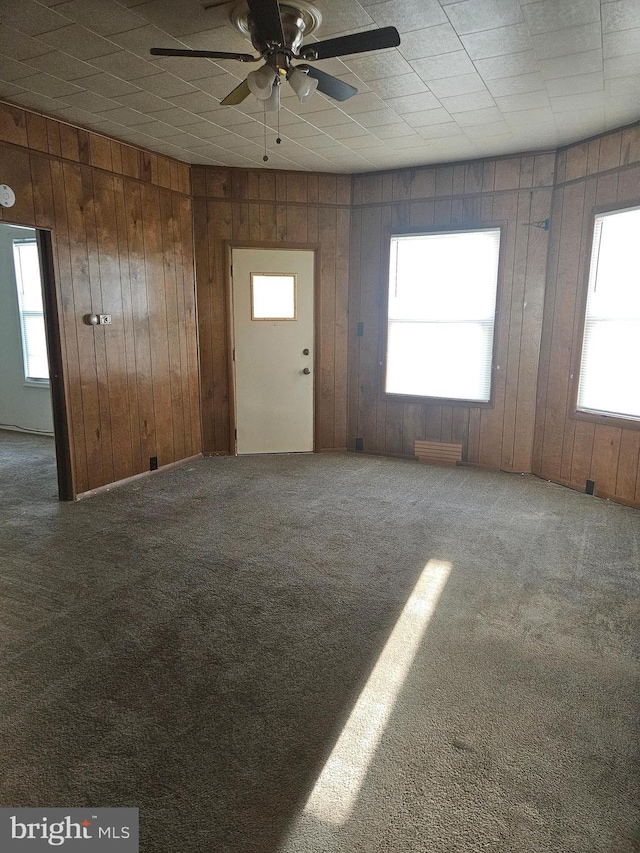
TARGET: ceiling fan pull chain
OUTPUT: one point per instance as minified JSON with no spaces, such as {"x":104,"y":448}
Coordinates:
{"x":278,"y":140}
{"x":264,"y":125}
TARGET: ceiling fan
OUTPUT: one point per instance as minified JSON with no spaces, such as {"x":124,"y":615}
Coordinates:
{"x":277,"y":31}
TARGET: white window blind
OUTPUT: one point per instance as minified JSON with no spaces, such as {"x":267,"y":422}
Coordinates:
{"x":609,"y":380}
{"x":34,"y":344}
{"x":442,"y":305}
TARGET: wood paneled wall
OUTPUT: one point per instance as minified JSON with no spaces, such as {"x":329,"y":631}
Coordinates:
{"x":270,"y":207}
{"x":600,"y":172}
{"x":121,"y":221}
{"x":514,"y":191}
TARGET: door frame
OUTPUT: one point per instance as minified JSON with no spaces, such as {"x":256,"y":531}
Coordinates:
{"x":230,"y":245}
{"x":51,"y":305}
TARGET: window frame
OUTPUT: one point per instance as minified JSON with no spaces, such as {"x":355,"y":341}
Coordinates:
{"x":586,"y":415}
{"x":453,"y":228}
{"x":30,"y":381}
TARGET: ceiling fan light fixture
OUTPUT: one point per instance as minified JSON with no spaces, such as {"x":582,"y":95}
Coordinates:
{"x":261,"y":82}
{"x":302,"y":84}
{"x":272,"y":103}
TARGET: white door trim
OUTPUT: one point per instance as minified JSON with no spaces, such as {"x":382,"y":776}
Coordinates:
{"x":230,"y":245}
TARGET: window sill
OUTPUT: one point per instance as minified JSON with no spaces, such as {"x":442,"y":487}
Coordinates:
{"x":437,"y":401}
{"x":606,"y":420}
{"x":37,"y":383}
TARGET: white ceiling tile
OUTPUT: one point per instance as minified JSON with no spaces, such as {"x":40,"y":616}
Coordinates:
{"x":577,"y":63}
{"x":329,"y":117}
{"x":393,"y":87}
{"x":430,"y":41}
{"x":622,"y":66}
{"x":407,"y":16}
{"x":393,"y":131}
{"x":621,"y":87}
{"x":104,"y":17}
{"x":497,"y":42}
{"x":341,"y":17}
{"x":108,"y":85}
{"x":472,"y":16}
{"x":141,"y":40}
{"x":223,"y":116}
{"x":444,"y":130}
{"x":550,"y":15}
{"x":403,"y":142}
{"x":375,"y":66}
{"x":123,"y":115}
{"x":217,"y":87}
{"x":593,"y":82}
{"x":620,"y":15}
{"x":197,"y":102}
{"x":569,"y":41}
{"x":18,"y":46}
{"x":584,"y":101}
{"x":144,"y":102}
{"x":621,"y":43}
{"x":157,"y":129}
{"x":62,"y":65}
{"x":166,"y":85}
{"x":463,"y":84}
{"x":376,"y":118}
{"x":300,"y":131}
{"x":79,"y":42}
{"x":444,"y":65}
{"x":209,"y":130}
{"x":513,"y":65}
{"x":494,"y":128}
{"x":529,"y":118}
{"x":362,"y":103}
{"x":516,"y":85}
{"x":473,"y":101}
{"x":347,"y":131}
{"x":487,"y":115}
{"x":52,"y":87}
{"x":126,"y":65}
{"x":11,"y":69}
{"x":525,"y":101}
{"x":31,"y":17}
{"x":428,"y":117}
{"x":37,"y":101}
{"x":413,"y":103}
{"x":176,"y":19}
{"x":90,"y":102}
{"x":187,"y":68}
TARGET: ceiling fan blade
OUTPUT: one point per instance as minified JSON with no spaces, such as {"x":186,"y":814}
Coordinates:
{"x":207,"y":54}
{"x":237,"y":96}
{"x":267,"y":20}
{"x":356,"y":43}
{"x":330,"y":85}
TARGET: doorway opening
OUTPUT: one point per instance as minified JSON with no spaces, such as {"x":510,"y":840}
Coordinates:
{"x":273,"y":349}
{"x":33,"y":434}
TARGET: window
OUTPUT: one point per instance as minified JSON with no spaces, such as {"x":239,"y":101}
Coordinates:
{"x":273,"y":296}
{"x":608,"y":381}
{"x":442,"y":304}
{"x":29,"y":287}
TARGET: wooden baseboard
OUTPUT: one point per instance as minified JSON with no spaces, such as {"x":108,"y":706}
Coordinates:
{"x":598,"y":493}
{"x":109,"y":486}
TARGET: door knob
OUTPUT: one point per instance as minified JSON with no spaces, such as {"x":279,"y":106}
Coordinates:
{"x":306,"y":371}
{"x":305,"y":351}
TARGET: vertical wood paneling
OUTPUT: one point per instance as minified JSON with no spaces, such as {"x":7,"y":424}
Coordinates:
{"x":254,"y":206}
{"x":604,"y":173}
{"x":132,"y":387}
{"x":475,"y":193}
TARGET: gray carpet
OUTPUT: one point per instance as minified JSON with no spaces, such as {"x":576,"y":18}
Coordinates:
{"x":194,"y":643}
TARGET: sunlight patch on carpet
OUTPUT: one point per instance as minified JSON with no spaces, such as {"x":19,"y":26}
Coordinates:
{"x":337,"y":788}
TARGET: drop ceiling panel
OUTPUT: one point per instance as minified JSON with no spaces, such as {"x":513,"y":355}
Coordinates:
{"x":471,"y":78}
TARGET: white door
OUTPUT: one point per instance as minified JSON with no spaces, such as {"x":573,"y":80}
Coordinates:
{"x":273,"y":340}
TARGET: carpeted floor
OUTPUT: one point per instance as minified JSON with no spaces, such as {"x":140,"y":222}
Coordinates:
{"x":194,"y":644}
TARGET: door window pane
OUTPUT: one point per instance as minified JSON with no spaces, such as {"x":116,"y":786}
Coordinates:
{"x":273,"y":296}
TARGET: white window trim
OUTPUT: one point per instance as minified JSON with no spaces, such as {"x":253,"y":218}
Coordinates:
{"x":443,"y":400}
{"x":582,"y":412}
{"x":29,"y":381}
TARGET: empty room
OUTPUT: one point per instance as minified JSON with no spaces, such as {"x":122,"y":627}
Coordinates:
{"x":320,"y":426}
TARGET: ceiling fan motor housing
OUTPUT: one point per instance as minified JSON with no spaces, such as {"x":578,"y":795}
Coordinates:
{"x":299,"y":19}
